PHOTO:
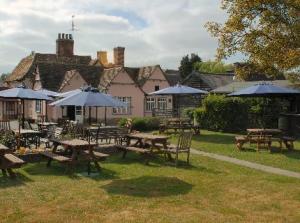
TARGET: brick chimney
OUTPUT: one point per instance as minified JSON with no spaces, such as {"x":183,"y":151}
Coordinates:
{"x":119,"y":56}
{"x":65,"y":45}
{"x":102,"y":57}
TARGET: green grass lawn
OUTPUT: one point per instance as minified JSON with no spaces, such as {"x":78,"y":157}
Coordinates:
{"x":224,"y":144}
{"x":129,"y":191}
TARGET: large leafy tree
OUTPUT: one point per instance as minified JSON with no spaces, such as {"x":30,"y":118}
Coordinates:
{"x":267,"y":32}
{"x":187,"y":64}
{"x":213,"y":67}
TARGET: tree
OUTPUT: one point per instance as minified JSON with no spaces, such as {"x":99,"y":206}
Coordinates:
{"x":267,"y":32}
{"x":4,"y":76}
{"x":187,"y":64}
{"x":213,"y":67}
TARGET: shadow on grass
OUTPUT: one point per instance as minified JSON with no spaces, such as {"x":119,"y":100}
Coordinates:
{"x":294,"y":154}
{"x":214,"y":138}
{"x":57,"y":169}
{"x":148,"y":186}
{"x":133,"y":158}
{"x":19,"y":180}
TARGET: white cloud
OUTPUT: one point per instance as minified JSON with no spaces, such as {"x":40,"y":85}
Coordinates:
{"x":153,"y":32}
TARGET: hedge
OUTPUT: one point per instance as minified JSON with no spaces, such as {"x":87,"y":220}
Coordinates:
{"x":232,"y":114}
{"x":142,"y":124}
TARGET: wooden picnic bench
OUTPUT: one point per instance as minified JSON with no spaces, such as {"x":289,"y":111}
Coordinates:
{"x":145,"y":144}
{"x":179,"y":124}
{"x":74,"y":149}
{"x":8,"y":161}
{"x":264,"y":137}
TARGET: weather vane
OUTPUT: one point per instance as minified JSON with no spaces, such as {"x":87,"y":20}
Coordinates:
{"x":73,"y":29}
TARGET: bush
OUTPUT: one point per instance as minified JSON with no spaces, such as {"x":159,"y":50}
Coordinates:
{"x":220,"y":113}
{"x":142,"y":124}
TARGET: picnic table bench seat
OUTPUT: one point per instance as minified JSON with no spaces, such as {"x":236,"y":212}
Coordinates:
{"x":98,"y":155}
{"x":288,"y":141}
{"x":133,"y":149}
{"x":55,"y":156}
{"x":14,"y":161}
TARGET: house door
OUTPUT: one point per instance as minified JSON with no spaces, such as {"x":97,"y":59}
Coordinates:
{"x":71,"y":112}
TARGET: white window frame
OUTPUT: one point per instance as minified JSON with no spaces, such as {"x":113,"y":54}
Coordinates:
{"x":162,"y":103}
{"x":150,"y":104}
{"x":123,"y":110}
{"x":38,"y":106}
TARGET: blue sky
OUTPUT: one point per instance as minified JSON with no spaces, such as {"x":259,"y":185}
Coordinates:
{"x":153,"y":32}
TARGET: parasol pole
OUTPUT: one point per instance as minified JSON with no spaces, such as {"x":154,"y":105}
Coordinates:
{"x":105,"y":118}
{"x":23,"y":112}
{"x":90,"y":115}
{"x":97,"y":114}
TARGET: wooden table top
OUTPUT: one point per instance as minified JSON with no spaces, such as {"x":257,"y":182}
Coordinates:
{"x":147,"y":136}
{"x":76,"y":143}
{"x":264,"y":131}
{"x":47,"y":123}
{"x":26,"y":131}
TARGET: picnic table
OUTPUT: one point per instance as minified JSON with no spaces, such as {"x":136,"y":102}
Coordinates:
{"x":8,"y":161}
{"x":265,"y":137}
{"x":28,"y":135}
{"x":46,"y":124}
{"x":74,"y":150}
{"x":264,"y":131}
{"x":179,"y":124}
{"x":145,"y":144}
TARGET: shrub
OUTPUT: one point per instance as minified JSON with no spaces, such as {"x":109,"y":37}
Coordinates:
{"x":142,"y":124}
{"x":222,"y":113}
{"x":8,"y":139}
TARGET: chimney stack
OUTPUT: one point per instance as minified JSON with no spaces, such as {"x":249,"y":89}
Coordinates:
{"x":102,"y":57}
{"x":65,"y":45}
{"x":119,"y":56}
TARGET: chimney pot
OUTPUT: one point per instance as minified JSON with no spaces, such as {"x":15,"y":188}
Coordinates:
{"x":64,"y":45}
{"x":102,"y":57}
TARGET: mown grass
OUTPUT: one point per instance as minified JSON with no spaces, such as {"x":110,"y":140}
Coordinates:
{"x":224,"y":144}
{"x":130,"y":191}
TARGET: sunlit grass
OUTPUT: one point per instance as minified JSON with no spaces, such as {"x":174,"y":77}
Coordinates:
{"x":130,"y":191}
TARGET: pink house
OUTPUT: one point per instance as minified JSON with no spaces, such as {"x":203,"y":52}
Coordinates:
{"x":64,"y":71}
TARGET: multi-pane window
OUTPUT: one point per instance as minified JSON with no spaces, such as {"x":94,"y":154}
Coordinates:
{"x":156,"y":103}
{"x":78,"y":110}
{"x":11,"y":106}
{"x":162,"y":103}
{"x":150,"y":104}
{"x":38,"y":106}
{"x":123,"y":110}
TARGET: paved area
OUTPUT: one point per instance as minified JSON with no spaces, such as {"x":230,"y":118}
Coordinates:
{"x":245,"y":163}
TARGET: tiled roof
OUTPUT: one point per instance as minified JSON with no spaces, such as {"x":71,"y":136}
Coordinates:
{"x":108,"y":75}
{"x":211,"y":80}
{"x":24,"y":66}
{"x":141,"y":74}
{"x":173,"y":77}
{"x":52,"y":69}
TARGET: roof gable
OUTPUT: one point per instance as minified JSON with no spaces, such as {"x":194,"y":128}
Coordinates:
{"x":212,"y":81}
